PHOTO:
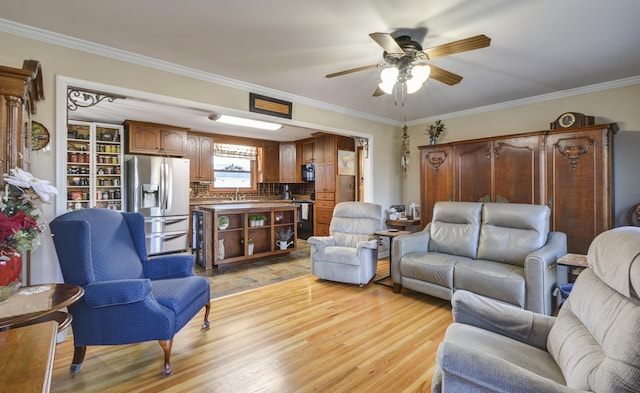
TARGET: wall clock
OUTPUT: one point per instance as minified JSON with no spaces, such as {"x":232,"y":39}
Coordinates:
{"x":39,"y":136}
{"x":572,"y":119}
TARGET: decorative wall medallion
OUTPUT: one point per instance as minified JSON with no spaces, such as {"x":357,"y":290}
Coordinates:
{"x":573,"y":152}
{"x":435,"y":159}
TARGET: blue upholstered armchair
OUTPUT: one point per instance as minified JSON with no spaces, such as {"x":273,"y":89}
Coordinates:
{"x":128,"y":297}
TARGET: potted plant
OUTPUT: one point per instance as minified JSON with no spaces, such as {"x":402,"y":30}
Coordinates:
{"x":253,"y":221}
{"x":283,"y":238}
{"x":435,"y":130}
{"x":262,"y":219}
{"x":250,"y":246}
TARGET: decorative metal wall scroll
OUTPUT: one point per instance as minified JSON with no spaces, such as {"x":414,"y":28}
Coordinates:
{"x":85,"y":98}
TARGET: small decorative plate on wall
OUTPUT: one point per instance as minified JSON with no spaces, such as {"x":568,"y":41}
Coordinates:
{"x":39,"y":136}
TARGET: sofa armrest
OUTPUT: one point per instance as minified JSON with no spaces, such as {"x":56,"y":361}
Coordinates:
{"x":410,"y":243}
{"x":321,"y":241}
{"x":481,"y":371}
{"x":522,"y":325}
{"x":100,"y":294}
{"x":368,"y":244}
{"x":540,"y":273}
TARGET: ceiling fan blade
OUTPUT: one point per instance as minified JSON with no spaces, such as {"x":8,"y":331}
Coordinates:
{"x":444,"y":76}
{"x":378,"y":92}
{"x":363,"y":68}
{"x":387,"y":42}
{"x":467,"y":44}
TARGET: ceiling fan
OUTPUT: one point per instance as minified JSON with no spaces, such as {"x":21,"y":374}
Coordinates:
{"x":405,"y":61}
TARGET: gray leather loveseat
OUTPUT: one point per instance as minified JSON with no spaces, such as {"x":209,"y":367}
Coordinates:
{"x":503,"y":251}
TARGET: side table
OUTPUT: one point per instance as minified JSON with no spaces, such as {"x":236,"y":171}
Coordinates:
{"x":27,"y":357}
{"x":39,"y":303}
{"x":390,"y":234}
{"x":404,"y":225}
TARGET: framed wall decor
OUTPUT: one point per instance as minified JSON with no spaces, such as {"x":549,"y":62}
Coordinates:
{"x":270,"y":106}
{"x":346,"y":162}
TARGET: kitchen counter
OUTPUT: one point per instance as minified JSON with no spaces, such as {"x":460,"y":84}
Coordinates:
{"x":243,"y":205}
{"x":231,"y":233}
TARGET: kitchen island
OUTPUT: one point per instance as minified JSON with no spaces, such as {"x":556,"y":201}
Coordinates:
{"x":237,"y":232}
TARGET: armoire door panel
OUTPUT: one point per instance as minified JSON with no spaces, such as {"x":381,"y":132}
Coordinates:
{"x":473,"y":176}
{"x":516,"y":171}
{"x":436,"y":178}
{"x":575,"y":188}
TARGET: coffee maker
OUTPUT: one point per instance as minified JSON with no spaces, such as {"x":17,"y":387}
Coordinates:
{"x":286,"y":194}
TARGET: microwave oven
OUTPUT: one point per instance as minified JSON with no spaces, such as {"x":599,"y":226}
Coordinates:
{"x":308,"y":172}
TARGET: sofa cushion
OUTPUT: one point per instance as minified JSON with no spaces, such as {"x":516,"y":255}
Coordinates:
{"x":431,"y":267}
{"x":455,"y":228}
{"x":499,"y":281}
{"x":592,"y":355}
{"x":510,"y":232}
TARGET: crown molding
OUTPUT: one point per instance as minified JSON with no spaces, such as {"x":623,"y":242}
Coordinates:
{"x":161,"y":65}
{"x":634,"y":80}
{"x":134,"y":58}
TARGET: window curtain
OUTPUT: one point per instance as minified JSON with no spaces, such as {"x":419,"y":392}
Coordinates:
{"x":235,"y":151}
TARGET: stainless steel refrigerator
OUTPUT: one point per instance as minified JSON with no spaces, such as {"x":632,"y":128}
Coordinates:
{"x":158,"y":187}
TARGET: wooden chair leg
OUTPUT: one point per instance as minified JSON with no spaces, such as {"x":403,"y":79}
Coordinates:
{"x":167,"y":369}
{"x":205,"y":324}
{"x":78,"y":358}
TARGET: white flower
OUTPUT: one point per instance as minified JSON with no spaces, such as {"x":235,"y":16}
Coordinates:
{"x":24,"y":179}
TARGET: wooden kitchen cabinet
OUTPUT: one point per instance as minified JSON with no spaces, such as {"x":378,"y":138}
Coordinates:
{"x":306,"y":151}
{"x":568,"y":170}
{"x":269,"y":163}
{"x":288,"y":163}
{"x":200,"y":155}
{"x":330,"y":187}
{"x":152,"y":138}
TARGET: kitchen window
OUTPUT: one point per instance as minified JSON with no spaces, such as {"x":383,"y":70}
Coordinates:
{"x":234,"y":166}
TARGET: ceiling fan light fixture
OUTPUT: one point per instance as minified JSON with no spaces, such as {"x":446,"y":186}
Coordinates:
{"x":239,"y":121}
{"x":389,"y":78}
{"x":419,"y":75}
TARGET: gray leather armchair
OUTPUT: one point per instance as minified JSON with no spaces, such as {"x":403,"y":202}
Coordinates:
{"x":350,"y":253}
{"x":593,"y":345}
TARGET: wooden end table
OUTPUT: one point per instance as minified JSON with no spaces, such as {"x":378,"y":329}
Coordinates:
{"x":39,"y":303}
{"x":390,"y":234}
{"x":573,"y":262}
{"x":27,"y":357}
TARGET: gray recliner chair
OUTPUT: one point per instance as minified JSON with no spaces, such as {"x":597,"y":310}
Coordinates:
{"x":593,"y":345}
{"x":350,"y":253}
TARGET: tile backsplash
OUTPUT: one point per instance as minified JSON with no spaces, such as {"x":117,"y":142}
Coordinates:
{"x":266,"y":190}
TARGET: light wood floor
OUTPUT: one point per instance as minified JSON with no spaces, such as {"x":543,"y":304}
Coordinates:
{"x":302,"y":335}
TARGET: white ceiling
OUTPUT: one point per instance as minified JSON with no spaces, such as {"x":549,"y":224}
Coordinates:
{"x":283,"y":49}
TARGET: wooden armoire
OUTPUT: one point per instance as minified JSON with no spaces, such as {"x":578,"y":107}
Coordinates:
{"x":20,"y":89}
{"x":569,"y":170}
